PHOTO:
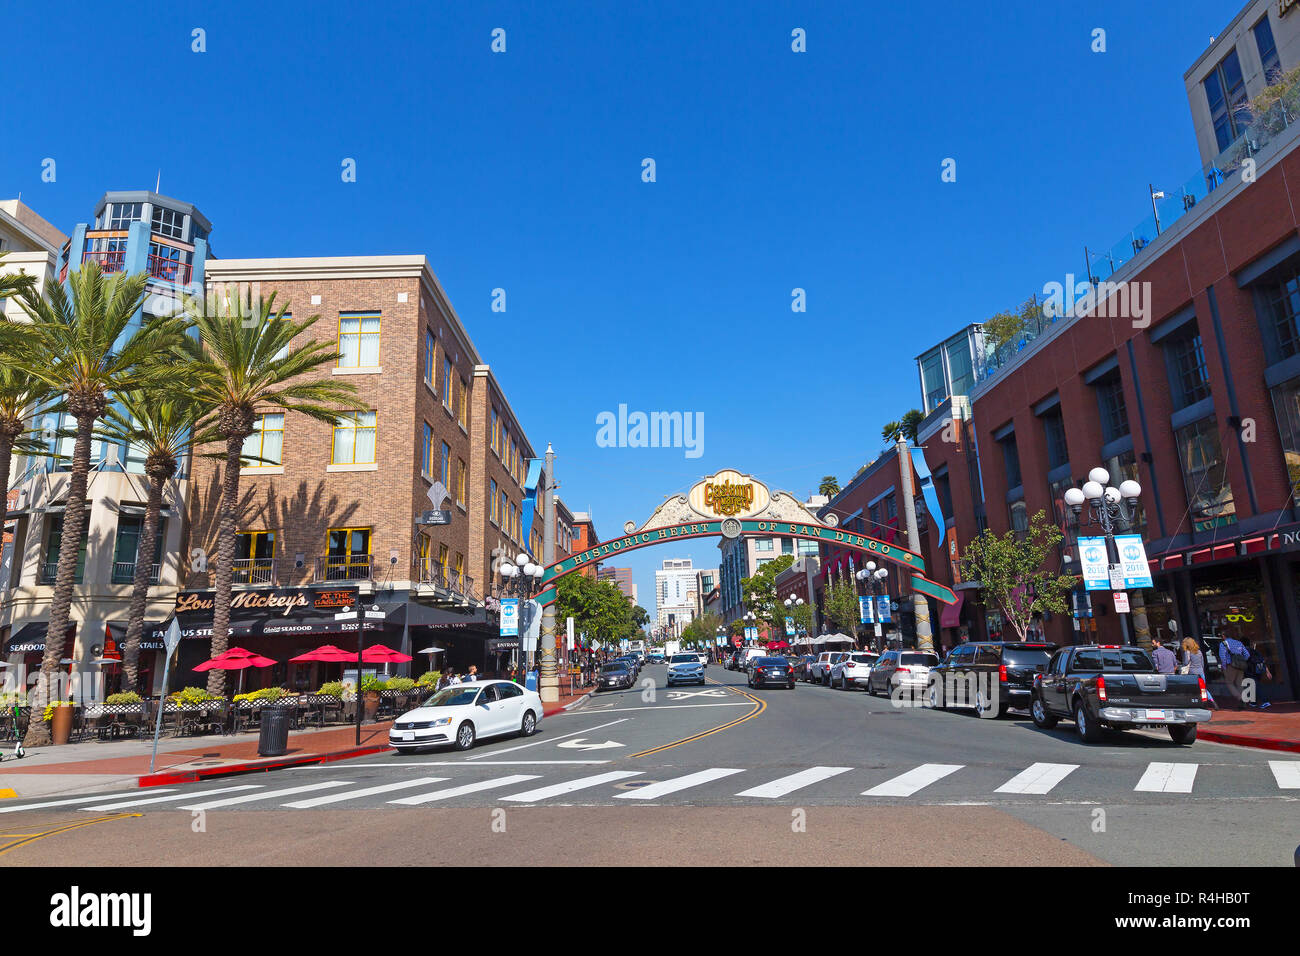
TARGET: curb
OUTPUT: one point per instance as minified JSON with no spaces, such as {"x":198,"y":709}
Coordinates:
{"x":573,"y":703}
{"x":1242,"y":740}
{"x":255,"y":766}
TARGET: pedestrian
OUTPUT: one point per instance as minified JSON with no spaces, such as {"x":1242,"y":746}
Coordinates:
{"x":1258,"y":670}
{"x":1194,"y":664}
{"x":1166,"y":662}
{"x":473,"y":673}
{"x":452,"y":678}
{"x":1233,"y":657}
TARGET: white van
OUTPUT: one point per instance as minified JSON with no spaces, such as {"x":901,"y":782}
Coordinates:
{"x":750,"y":654}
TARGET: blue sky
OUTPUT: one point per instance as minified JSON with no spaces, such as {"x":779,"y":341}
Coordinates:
{"x":522,"y":171}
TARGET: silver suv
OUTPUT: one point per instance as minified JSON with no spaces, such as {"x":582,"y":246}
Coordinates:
{"x":685,"y":669}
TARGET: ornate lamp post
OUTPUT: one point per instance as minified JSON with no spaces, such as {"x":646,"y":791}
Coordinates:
{"x":522,"y":576}
{"x":1109,"y":508}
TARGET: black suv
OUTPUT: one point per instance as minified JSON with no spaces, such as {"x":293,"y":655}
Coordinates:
{"x":987,"y":675}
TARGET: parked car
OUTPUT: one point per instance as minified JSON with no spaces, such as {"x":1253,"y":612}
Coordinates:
{"x":821,"y":667}
{"x":803,"y":667}
{"x":853,"y":669}
{"x":988,"y":675}
{"x":767,"y":671}
{"x":703,"y":656}
{"x":463,"y":713}
{"x":615,"y":675}
{"x":1102,"y":686}
{"x":685,"y":669}
{"x":902,"y":669}
{"x":633,"y":663}
{"x":732,"y":661}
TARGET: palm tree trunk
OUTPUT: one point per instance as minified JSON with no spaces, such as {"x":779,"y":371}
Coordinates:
{"x":227,"y":516}
{"x":140,"y":587}
{"x":6,"y":456}
{"x":74,"y":526}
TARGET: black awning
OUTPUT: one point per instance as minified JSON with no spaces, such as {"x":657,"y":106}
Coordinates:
{"x":31,"y":637}
{"x":151,"y":635}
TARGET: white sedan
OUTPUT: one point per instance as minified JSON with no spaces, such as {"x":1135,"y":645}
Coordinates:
{"x":462,"y":713}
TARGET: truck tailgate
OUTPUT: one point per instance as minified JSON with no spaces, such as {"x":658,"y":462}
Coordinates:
{"x":1153,"y":690}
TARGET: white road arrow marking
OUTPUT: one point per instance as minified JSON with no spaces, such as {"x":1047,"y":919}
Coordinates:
{"x":577,"y":744}
{"x":683,"y":694}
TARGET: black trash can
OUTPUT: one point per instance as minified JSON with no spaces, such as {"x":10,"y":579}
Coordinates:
{"x":274,"y":738}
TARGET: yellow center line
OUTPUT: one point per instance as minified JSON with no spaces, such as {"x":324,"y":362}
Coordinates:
{"x":760,"y":706}
{"x":22,"y":839}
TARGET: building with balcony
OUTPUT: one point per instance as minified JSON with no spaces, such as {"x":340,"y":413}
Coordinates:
{"x":132,"y":232}
{"x":332,"y":512}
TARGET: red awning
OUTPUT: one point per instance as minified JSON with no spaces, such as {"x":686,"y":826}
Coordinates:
{"x":951,"y":614}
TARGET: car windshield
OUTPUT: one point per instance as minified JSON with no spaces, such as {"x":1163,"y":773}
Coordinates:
{"x":684,"y":659}
{"x":613,"y":668}
{"x":919,"y":660}
{"x":1025,"y":657}
{"x":770,"y":661}
{"x":457,"y":696}
{"x":1113,"y":659}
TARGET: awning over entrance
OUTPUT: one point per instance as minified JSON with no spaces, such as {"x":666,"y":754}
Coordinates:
{"x":151,"y":635}
{"x":31,"y":637}
{"x":951,"y":615}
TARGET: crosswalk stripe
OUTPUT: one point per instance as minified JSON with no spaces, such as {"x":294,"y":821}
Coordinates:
{"x":1038,"y":778}
{"x":582,"y":783}
{"x":1168,"y":778}
{"x":1287,"y":773}
{"x":656,"y":790}
{"x":175,"y":796}
{"x":795,"y":781}
{"x":363,"y":792}
{"x":450,"y":792}
{"x":62,"y":803}
{"x":268,"y":795}
{"x":908,"y":783}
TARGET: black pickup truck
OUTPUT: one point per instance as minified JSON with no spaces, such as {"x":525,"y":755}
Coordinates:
{"x":1100,"y":686}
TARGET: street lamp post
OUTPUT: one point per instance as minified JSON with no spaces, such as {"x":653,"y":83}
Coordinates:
{"x":1109,"y":508}
{"x":870,"y":576}
{"x":522,"y":576}
{"x":791,"y":603}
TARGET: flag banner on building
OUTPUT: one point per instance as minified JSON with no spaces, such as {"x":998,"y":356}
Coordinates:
{"x":789,"y":627}
{"x":1133,"y":560}
{"x":509,"y":617}
{"x":866,"y":610}
{"x":1093,"y":564}
{"x":882,"y":609}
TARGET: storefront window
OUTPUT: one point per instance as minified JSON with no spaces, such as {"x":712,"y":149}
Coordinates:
{"x":1122,"y":468}
{"x":1235,"y":606}
{"x":1205,"y":475}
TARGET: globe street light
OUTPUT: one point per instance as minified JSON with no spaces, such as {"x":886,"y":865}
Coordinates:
{"x":1109,"y":508}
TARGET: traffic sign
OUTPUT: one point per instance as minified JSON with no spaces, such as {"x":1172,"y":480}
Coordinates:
{"x":1121,"y":602}
{"x":173,"y":636}
{"x":1116,"y":577}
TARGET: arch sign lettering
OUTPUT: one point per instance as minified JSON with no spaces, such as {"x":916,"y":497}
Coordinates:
{"x":732,"y":505}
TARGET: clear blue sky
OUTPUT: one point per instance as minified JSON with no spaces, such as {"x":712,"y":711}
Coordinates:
{"x":522,"y":170}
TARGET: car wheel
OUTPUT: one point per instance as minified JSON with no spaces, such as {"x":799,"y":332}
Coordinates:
{"x":465,"y":736}
{"x":530,"y":725}
{"x":982,"y":705}
{"x":936,"y":697}
{"x":1088,"y":728}
{"x":1042,"y":717}
{"x":1183,"y":734}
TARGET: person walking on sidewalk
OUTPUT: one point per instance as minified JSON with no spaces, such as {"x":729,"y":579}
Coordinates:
{"x":1194,"y":664}
{"x":1166,"y":662}
{"x":1233,"y":657}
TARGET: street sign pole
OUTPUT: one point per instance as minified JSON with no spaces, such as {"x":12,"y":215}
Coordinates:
{"x":171,"y":641}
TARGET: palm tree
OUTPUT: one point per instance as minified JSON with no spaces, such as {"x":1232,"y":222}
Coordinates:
{"x":830,"y":486}
{"x":14,"y":283}
{"x":80,"y":343}
{"x":890,"y":431}
{"x":911,"y":424}
{"x":163,"y":426}
{"x":243,"y":361}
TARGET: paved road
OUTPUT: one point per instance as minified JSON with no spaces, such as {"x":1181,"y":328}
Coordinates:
{"x":737,"y":775}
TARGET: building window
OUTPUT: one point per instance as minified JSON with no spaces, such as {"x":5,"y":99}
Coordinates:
{"x":167,"y":263}
{"x":496,"y":431}
{"x":460,"y":482}
{"x":265,"y":447}
{"x":1189,"y":377}
{"x":446,"y":382}
{"x":959,"y":366}
{"x":932,"y":381}
{"x":501,"y":510}
{"x":874,"y":513}
{"x":358,"y":340}
{"x":462,"y":405}
{"x":1225,"y":92}
{"x":1267,"y":51}
{"x":787,"y":546}
{"x":122,"y":214}
{"x":254,"y":557}
{"x":53,"y":542}
{"x":426,"y":452}
{"x":424,"y":555}
{"x":763,"y":544}
{"x":891,"y":507}
{"x":1114,"y":413}
{"x":126,"y":549}
{"x":460,"y":569}
{"x":1283,"y":299}
{"x":348,"y":556}
{"x":168,"y":222}
{"x":1286,"y":407}
{"x":1205,"y":475}
{"x":1058,"y":452}
{"x":492,"y":501}
{"x":443,"y":557}
{"x":354,"y":439}
{"x":430,"y":346}
{"x":1019,"y":515}
{"x":1011,"y":460}
{"x":445,"y":469}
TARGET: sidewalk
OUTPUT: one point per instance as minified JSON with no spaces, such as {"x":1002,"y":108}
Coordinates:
{"x":93,"y":766}
{"x":1276,"y":728}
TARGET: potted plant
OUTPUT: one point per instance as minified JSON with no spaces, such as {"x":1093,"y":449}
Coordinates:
{"x":59,"y":714}
{"x":370,"y":688}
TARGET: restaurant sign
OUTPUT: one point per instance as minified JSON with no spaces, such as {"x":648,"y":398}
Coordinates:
{"x":269,"y":611}
{"x":729,"y":494}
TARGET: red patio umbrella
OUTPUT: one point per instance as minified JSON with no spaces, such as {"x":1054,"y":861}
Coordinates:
{"x":235,"y":659}
{"x":328,"y":654}
{"x":381,"y":654}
